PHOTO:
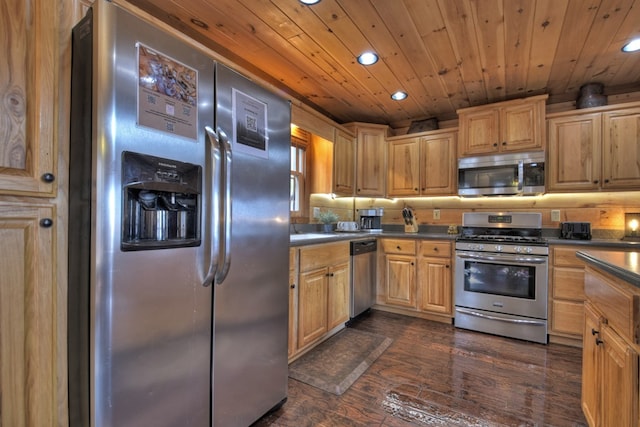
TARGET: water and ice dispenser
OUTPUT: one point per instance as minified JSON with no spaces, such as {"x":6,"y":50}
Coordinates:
{"x":161,"y":202}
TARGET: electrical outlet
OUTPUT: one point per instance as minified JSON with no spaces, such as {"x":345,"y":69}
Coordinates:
{"x":436,"y":214}
{"x":316,"y":212}
{"x":555,"y":215}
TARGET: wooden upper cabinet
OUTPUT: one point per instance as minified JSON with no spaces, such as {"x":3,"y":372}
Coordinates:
{"x":574,"y":147}
{"x":29,"y":71}
{"x":594,"y":149}
{"x":621,"y":154}
{"x":404,"y":167}
{"x":344,"y":164}
{"x":508,"y":126}
{"x":438,"y":164}
{"x":422,"y":165}
{"x":371,"y":158}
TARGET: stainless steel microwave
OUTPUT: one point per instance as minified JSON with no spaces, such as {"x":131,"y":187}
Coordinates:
{"x":515,"y":174}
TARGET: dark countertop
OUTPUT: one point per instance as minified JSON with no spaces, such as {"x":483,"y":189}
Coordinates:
{"x":303,"y":239}
{"x":624,"y":265}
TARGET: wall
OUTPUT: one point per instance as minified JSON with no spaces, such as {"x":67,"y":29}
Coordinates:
{"x":604,"y":210}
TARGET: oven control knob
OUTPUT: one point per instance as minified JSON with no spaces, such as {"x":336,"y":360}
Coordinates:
{"x":499,"y":248}
{"x":517,"y":249}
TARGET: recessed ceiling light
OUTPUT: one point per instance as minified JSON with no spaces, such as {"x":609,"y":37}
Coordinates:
{"x":367,"y":58}
{"x":399,"y":95}
{"x":309,"y":2}
{"x":632,"y":46}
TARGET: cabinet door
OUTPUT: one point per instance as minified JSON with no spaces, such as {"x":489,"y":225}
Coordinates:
{"x":621,"y":154}
{"x":574,"y":152}
{"x":344,"y":164}
{"x":312,"y":306}
{"x":479,"y":132}
{"x":619,"y":379}
{"x":338,"y":296}
{"x":522,"y":127}
{"x":438,"y":165}
{"x":590,"y":362}
{"x":404,"y":168}
{"x":293,"y":297}
{"x":400,"y":280}
{"x":27,"y":97}
{"x":28,"y":356}
{"x":371,"y":171}
{"x":434,"y":285}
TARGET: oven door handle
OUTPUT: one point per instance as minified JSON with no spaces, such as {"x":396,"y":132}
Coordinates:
{"x":527,"y":259}
{"x":501,"y":319}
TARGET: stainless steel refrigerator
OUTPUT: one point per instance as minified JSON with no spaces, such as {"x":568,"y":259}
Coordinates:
{"x":178,"y":233}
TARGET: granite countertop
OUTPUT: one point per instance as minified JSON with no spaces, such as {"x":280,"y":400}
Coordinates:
{"x":624,"y":265}
{"x":309,"y":238}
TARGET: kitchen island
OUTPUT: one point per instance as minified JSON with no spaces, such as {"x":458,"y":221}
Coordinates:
{"x":610,"y":372}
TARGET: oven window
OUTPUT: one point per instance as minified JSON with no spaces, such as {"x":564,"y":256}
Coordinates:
{"x":499,"y":279}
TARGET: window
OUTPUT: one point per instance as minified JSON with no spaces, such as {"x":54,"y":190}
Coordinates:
{"x":298,"y":190}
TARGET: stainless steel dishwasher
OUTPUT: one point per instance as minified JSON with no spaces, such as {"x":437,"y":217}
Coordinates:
{"x":363,"y":275}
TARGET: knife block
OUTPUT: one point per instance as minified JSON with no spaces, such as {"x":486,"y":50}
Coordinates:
{"x":412,"y":227}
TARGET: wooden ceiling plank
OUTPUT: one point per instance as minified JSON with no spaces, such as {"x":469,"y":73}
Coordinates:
{"x":383,"y":43}
{"x":518,"y":18}
{"x":458,"y":16}
{"x":610,"y":16}
{"x":612,"y":67}
{"x":489,"y":23}
{"x":548,"y":19}
{"x":575,"y":28}
{"x":441,"y":72}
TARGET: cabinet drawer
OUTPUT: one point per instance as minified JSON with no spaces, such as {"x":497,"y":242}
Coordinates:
{"x":435,"y":249}
{"x":618,"y":304}
{"x":566,"y":257}
{"x":316,"y":256}
{"x":567,"y":317}
{"x":392,"y":246}
{"x":568,"y":283}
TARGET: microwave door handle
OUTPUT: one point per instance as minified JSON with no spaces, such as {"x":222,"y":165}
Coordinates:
{"x":213,"y":182}
{"x":225,"y":229}
{"x":520,"y":176}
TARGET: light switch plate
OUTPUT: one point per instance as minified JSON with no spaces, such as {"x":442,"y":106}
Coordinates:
{"x":436,"y":214}
{"x":316,"y":212}
{"x":555,"y":215}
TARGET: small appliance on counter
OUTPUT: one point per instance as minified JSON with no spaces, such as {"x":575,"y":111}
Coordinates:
{"x":371,"y":219}
{"x":575,"y":230}
{"x":410,"y":221}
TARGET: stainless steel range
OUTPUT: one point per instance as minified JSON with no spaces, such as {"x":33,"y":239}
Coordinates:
{"x":501,"y":269}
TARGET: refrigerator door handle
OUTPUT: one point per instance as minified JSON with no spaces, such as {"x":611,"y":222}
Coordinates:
{"x":213,"y":179}
{"x":225,"y":229}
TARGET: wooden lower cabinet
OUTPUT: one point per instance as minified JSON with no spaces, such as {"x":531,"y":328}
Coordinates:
{"x":322,"y":294}
{"x":610,"y":383}
{"x":417,"y":278}
{"x":28,"y":352}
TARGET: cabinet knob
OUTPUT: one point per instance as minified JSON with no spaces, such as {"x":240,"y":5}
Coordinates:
{"x":398,"y":247}
{"x":595,"y":181}
{"x":606,"y":181}
{"x":504,"y":143}
{"x":446,"y":266}
{"x":412,"y":263}
{"x":48,"y":177}
{"x":495,"y":144}
{"x":46,"y":222}
{"x":293,"y":286}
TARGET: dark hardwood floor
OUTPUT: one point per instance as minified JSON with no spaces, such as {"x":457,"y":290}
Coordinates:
{"x":435,"y":374}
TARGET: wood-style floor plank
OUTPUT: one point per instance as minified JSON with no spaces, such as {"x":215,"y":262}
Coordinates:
{"x":435,"y":374}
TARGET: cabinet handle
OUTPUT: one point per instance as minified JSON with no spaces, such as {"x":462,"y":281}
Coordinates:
{"x":46,"y":222}
{"x":594,"y":332}
{"x":48,"y":177}
{"x":599,"y":341}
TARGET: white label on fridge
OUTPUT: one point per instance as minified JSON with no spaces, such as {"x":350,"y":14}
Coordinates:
{"x":167,"y":94}
{"x":249,"y":125}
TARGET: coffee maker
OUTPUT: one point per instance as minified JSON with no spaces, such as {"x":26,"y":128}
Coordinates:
{"x":371,"y":219}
